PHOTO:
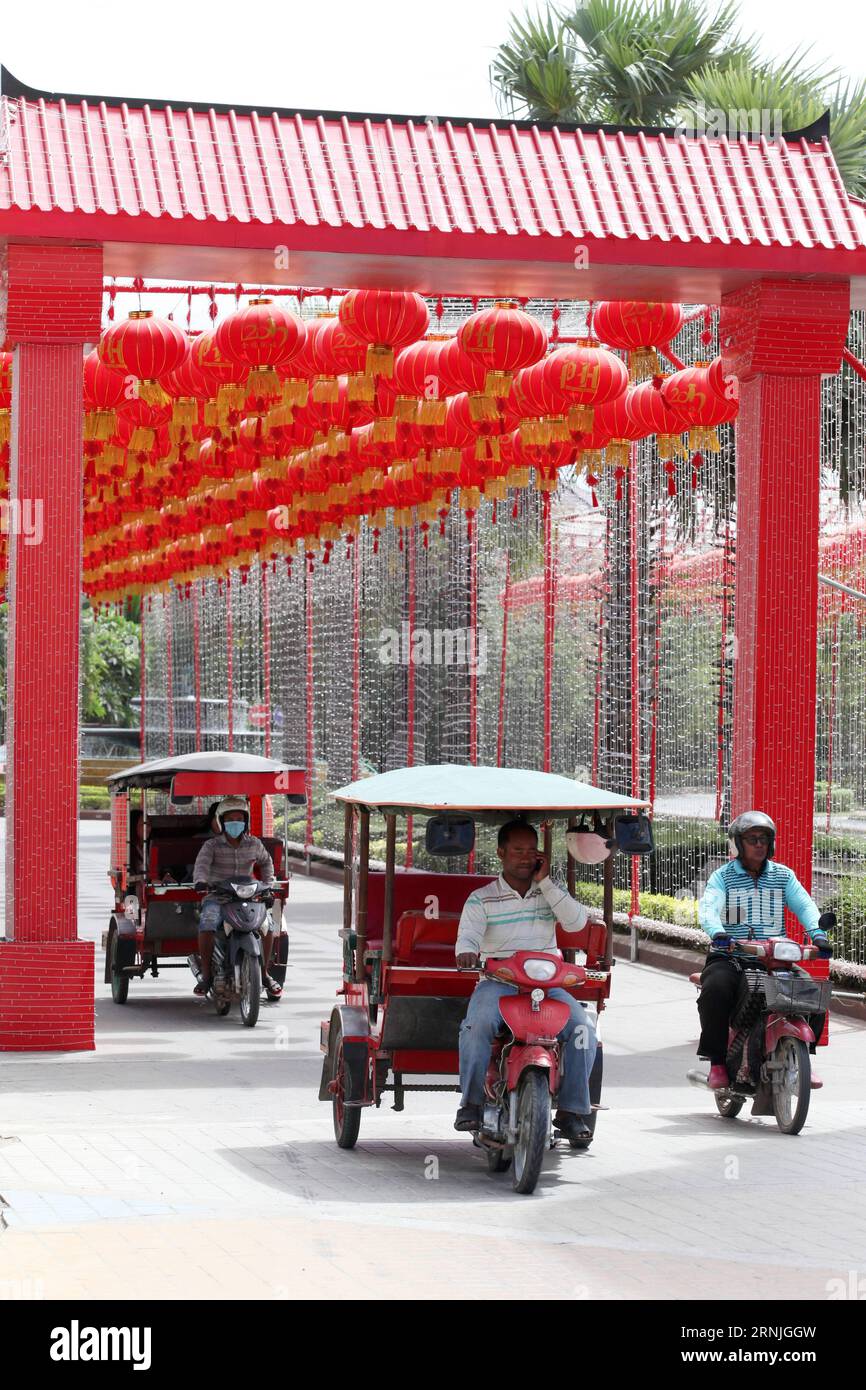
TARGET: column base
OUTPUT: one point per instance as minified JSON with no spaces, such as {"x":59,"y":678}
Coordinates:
{"x":47,"y":999}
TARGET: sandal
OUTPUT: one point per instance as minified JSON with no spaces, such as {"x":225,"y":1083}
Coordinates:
{"x":273,"y":989}
{"x":201,"y":989}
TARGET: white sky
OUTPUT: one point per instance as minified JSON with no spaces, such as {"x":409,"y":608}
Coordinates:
{"x":407,"y":57}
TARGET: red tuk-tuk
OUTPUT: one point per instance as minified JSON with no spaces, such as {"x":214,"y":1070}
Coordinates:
{"x":154,"y":923}
{"x":403,"y":997}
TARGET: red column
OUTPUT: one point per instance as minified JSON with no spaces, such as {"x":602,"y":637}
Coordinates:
{"x":52,"y":307}
{"x":779,"y":337}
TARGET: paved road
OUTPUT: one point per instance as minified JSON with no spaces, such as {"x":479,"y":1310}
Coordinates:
{"x":187,"y":1157}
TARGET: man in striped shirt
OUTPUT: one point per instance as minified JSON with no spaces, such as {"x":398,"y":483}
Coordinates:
{"x":745,"y":899}
{"x":519,"y":911}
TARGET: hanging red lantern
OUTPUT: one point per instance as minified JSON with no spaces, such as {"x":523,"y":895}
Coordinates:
{"x":384,"y":321}
{"x":689,"y":394}
{"x":617,"y":421}
{"x":647,"y":407}
{"x":588,"y":376}
{"x":334,"y":352}
{"x":261,"y":337}
{"x":144,"y":347}
{"x":104,"y":392}
{"x":226,"y":378}
{"x":503,"y":339}
{"x":541,"y":407}
{"x":640,"y":326}
{"x":421,"y":377}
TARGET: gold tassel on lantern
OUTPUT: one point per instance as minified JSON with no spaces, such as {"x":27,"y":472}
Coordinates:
{"x":98,"y":424}
{"x":431,"y":412}
{"x":385,"y":430}
{"x":558,"y":427}
{"x":326,"y":390}
{"x":152,"y":393}
{"x":406,"y":409}
{"x":643,"y":362}
{"x":470,"y":499}
{"x":616,"y":454}
{"x":487,"y":449}
{"x":497,"y":383}
{"x":143,"y":439}
{"x":263,"y":381}
{"x":295,"y":393}
{"x":380,"y":360}
{"x":581,"y":419}
{"x":482,"y":408}
{"x":361,"y":388}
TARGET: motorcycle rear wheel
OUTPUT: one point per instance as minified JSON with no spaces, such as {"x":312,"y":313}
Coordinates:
{"x":533,"y":1130}
{"x":251,"y":990}
{"x":791,"y":1099}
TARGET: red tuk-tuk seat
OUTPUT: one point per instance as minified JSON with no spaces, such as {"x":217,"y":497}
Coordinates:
{"x":424,"y":940}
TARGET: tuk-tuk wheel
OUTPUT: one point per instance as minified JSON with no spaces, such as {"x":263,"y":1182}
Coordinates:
{"x":119,"y":982}
{"x":347,"y":1118}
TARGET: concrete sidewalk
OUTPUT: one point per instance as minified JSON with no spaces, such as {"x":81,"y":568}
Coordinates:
{"x":188,"y":1157}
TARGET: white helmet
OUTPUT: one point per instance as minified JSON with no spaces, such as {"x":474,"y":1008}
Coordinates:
{"x":586,"y":847}
{"x":229,"y":805}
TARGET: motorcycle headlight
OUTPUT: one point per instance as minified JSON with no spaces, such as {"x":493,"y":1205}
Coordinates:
{"x":788,"y":950}
{"x":539,"y":969}
{"x":245,"y":890}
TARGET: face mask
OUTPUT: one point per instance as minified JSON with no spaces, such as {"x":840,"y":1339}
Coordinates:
{"x":234,"y":827}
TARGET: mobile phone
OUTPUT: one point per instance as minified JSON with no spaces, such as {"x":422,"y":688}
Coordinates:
{"x":537,"y":865}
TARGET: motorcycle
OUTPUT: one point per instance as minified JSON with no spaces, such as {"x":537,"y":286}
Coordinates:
{"x":525,"y":1065}
{"x":771,"y":1034}
{"x":237,"y":955}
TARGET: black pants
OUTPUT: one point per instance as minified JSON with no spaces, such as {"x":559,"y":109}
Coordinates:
{"x":720,"y":983}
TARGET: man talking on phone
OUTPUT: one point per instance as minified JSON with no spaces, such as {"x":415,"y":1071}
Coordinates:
{"x":519,"y":911}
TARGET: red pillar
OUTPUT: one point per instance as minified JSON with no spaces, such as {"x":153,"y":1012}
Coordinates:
{"x":779,"y":337}
{"x":52,"y":303}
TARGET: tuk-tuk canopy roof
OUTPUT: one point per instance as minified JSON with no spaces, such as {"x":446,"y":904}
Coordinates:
{"x":215,"y":772}
{"x":485,"y":793}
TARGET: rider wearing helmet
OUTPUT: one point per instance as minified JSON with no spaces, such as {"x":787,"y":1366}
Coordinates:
{"x":232,"y":851}
{"x":744,"y":900}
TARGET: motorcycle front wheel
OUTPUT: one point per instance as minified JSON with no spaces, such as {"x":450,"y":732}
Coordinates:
{"x":251,"y":990}
{"x":533,"y":1130}
{"x":791,"y":1093}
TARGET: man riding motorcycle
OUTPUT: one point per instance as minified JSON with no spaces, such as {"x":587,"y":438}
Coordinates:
{"x":519,"y":912}
{"x":231,"y":852}
{"x":746,"y":899}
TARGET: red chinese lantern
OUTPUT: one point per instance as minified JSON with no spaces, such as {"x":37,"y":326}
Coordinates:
{"x":616,"y":420}
{"x":334,"y":352}
{"x":421,"y":378}
{"x":540,"y":405}
{"x":503,"y":339}
{"x":689,"y":394}
{"x":588,"y":376}
{"x":226,"y":378}
{"x":261,"y":337}
{"x":384,"y":321}
{"x":647,"y":407}
{"x":640,"y":326}
{"x":104,"y":391}
{"x":144,"y":347}
{"x":724,"y":383}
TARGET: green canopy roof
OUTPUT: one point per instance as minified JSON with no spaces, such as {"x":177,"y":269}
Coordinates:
{"x":486,"y":793}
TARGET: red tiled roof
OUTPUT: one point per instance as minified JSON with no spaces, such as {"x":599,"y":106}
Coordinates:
{"x":505,"y":180}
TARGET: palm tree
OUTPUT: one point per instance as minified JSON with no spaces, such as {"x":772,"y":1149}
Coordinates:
{"x":612,"y":61}
{"x":625,"y":63}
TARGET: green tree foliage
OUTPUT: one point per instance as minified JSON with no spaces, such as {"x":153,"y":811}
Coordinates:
{"x":109,"y":668}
